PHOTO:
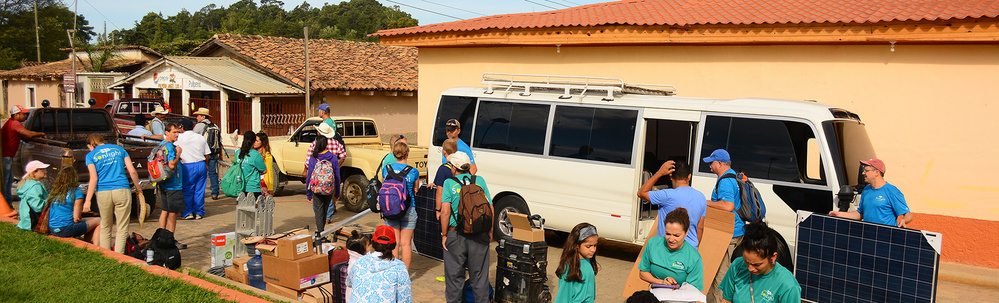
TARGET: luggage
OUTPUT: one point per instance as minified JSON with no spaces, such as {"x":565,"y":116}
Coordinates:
{"x":165,"y":251}
{"x":338,"y":276}
{"x":521,"y":271}
{"x":522,"y":256}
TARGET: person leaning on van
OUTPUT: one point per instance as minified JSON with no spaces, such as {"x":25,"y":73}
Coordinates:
{"x":880,"y":202}
{"x":724,"y":197}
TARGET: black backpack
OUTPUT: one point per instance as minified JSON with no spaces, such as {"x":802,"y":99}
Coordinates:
{"x":751,"y":206}
{"x":213,"y":135}
{"x":164,"y":248}
{"x":374,"y":185}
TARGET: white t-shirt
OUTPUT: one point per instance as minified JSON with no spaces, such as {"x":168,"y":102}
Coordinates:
{"x":193,"y":146}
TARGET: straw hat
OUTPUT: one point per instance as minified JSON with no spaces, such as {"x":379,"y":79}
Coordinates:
{"x":202,"y":111}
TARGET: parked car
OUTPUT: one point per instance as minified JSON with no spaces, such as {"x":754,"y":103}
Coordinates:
{"x":364,"y":153}
{"x":124,"y":110}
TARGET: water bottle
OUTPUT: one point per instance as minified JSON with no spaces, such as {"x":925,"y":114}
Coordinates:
{"x":256,"y":271}
{"x":149,"y":256}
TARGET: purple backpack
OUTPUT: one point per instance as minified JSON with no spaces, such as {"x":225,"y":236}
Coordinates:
{"x":392,"y":197}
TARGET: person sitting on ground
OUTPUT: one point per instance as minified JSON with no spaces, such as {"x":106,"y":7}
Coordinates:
{"x":756,"y":273}
{"x":682,"y":195}
{"x":32,"y":193}
{"x":405,"y":227}
{"x":378,"y":276}
{"x":669,"y":258}
{"x":357,"y":245}
{"x":66,"y":212}
{"x":880,"y":202}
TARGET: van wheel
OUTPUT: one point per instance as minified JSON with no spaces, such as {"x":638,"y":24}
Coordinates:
{"x":354,"y":194}
{"x":506,"y":205}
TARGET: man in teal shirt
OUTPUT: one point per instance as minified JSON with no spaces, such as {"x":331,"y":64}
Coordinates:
{"x":463,"y":250}
{"x":324,"y":112}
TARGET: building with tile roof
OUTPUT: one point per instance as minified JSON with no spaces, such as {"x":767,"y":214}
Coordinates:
{"x":917,"y":72}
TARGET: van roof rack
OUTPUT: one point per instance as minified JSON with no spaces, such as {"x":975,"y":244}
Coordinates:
{"x":569,"y":84}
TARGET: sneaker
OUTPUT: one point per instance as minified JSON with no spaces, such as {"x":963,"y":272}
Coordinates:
{"x":199,"y":217}
{"x":215,"y":197}
{"x":189,"y":217}
{"x":180,"y":245}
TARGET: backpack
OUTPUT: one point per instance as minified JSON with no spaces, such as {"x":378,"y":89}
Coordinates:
{"x":323,"y":177}
{"x":474,"y":215}
{"x":374,"y":185}
{"x":164,"y":247}
{"x":751,"y":203}
{"x":393,"y":197}
{"x":135,"y":246}
{"x":213,"y":135}
{"x":158,"y":168}
{"x":232,"y":182}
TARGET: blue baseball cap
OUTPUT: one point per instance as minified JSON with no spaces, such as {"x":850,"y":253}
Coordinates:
{"x":323,"y":107}
{"x":718,"y":155}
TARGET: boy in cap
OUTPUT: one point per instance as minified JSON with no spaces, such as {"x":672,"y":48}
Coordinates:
{"x":453,"y":130}
{"x":880,"y":202}
{"x":461,"y":250}
{"x":13,"y":132}
{"x":724,"y":197}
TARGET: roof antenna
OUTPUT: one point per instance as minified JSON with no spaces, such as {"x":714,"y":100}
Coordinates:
{"x":892,"y":46}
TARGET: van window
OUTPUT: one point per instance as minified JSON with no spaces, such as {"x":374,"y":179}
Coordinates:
{"x":600,"y":134}
{"x":515,"y":127}
{"x":763,"y":149}
{"x":451,"y":107}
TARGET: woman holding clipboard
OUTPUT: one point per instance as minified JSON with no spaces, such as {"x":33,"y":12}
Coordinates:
{"x":668,"y":261}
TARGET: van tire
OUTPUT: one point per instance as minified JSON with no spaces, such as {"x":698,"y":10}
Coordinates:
{"x":505,"y":205}
{"x":353,"y":195}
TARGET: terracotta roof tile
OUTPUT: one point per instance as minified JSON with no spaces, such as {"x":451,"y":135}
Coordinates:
{"x":736,"y":12}
{"x":58,"y":68}
{"x":333,"y":64}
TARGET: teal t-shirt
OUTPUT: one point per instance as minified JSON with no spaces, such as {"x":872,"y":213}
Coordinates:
{"x":331,"y":123}
{"x":777,"y":286}
{"x":452,"y":193}
{"x":252,"y":165}
{"x":33,"y":195}
{"x":576,"y":292}
{"x":683,"y":265}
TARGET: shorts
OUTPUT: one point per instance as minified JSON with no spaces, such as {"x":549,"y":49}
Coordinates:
{"x":172,"y":200}
{"x":71,"y":231}
{"x":407,"y":222}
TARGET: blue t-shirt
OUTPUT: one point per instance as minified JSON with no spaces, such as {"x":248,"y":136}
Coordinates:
{"x":158,"y":127}
{"x":109,"y":159}
{"x":882,"y":205}
{"x":686,"y":197}
{"x":443,"y":173}
{"x":175,"y":182}
{"x":61,"y":214}
{"x":728,"y":190}
{"x":462,"y":147}
{"x":410,"y":178}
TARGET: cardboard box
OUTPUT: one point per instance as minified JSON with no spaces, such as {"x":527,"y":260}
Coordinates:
{"x":222,"y":249}
{"x":295,"y":247}
{"x":297,"y":274}
{"x":320,"y":294}
{"x":235,"y":275}
{"x":522,"y":228}
{"x":239,"y":264}
{"x":284,"y":291}
{"x":271,"y":249}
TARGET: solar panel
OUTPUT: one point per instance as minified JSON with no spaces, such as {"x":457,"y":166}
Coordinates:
{"x":844,"y":260}
{"x":427,"y":236}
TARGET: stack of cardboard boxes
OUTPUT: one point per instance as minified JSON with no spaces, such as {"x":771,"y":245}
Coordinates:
{"x":291,"y":266}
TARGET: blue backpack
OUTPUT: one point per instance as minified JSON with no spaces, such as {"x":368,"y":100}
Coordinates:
{"x":751,"y":206}
{"x":393,"y":198}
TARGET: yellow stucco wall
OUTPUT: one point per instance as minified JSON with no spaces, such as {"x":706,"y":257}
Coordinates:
{"x":394,"y":114}
{"x":44,"y":90}
{"x":930,"y":110}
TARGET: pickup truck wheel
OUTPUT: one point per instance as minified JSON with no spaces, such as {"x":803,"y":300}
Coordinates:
{"x":353,"y":195}
{"x":506,"y":205}
{"x":282,"y":181}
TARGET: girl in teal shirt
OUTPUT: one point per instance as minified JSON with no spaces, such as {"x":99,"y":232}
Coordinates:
{"x":251,"y":162}
{"x":756,"y":276}
{"x":32,"y":193}
{"x":577,"y":270}
{"x":668,"y":259}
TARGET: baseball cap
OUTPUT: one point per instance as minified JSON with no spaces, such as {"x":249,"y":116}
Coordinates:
{"x":187,"y":124}
{"x":323,"y":107}
{"x":718,"y":155}
{"x":876,"y":163}
{"x":32,"y":166}
{"x":384,"y":235}
{"x":452,"y":125}
{"x":459,"y":159}
{"x":17,"y":109}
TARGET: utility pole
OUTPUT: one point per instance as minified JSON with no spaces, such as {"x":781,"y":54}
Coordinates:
{"x":76,"y":3}
{"x":71,"y":97}
{"x":38,"y":45}
{"x":307,"y":89}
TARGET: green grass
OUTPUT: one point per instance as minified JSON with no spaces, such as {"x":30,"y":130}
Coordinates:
{"x":204,"y":276}
{"x":34,"y":268}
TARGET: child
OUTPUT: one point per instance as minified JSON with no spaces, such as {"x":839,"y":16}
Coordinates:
{"x":358,"y":245}
{"x":65,"y":219}
{"x":32,"y":193}
{"x":577,"y":269}
{"x":379,"y":276}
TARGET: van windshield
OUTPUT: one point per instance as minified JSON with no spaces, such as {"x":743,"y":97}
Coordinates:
{"x":850,"y":147}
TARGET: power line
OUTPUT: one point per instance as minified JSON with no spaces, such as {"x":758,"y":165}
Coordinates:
{"x":540,"y":4}
{"x":557,"y":3}
{"x":573,"y":3}
{"x":426,"y":10}
{"x":102,"y":14}
{"x":452,"y":7}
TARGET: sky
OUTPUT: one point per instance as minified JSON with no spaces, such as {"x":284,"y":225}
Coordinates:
{"x":122,"y":14}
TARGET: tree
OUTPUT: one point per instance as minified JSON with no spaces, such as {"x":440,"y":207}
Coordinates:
{"x":17,"y":23}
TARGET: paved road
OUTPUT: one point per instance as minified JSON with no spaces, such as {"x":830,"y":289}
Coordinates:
{"x":615,"y":259}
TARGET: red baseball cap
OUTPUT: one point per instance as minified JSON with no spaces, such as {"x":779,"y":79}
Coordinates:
{"x":17,"y":109}
{"x":384,"y":235}
{"x":875,"y":163}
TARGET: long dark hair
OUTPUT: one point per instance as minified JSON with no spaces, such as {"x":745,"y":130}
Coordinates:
{"x":678,"y":216}
{"x":568,"y":265}
{"x":358,"y":242}
{"x":265,"y":143}
{"x":65,"y":182}
{"x":320,"y":146}
{"x":760,"y":239}
{"x":248,"y":139}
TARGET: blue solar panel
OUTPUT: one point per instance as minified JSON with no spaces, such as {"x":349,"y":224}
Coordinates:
{"x":843,"y":260}
{"x":427,"y":236}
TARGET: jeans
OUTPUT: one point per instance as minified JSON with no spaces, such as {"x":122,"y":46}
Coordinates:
{"x":8,"y":179}
{"x":213,"y":175}
{"x":319,"y":205}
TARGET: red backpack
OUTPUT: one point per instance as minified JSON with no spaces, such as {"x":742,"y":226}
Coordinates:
{"x":157,"y":164}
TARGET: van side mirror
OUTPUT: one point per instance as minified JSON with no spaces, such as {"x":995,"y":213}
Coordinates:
{"x":846,"y":196}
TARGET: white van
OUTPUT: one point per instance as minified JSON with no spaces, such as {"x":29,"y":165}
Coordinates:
{"x":575,"y":149}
